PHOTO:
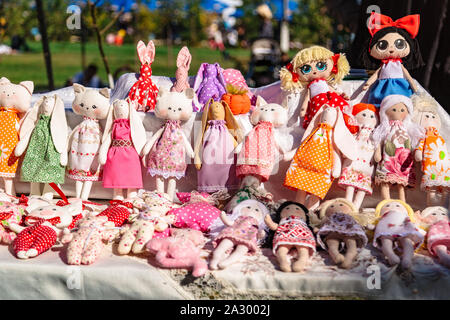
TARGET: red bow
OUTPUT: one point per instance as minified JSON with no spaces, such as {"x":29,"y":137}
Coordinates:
{"x":385,"y":61}
{"x":290,"y":67}
{"x":53,"y":221}
{"x":409,"y":23}
{"x":335,"y":61}
{"x":121,"y":203}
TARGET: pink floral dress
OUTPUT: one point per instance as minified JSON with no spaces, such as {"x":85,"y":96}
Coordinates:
{"x":244,"y":231}
{"x":295,"y":232}
{"x":167,"y":156}
{"x":438,"y":235}
{"x":397,"y":164}
{"x":10,"y":213}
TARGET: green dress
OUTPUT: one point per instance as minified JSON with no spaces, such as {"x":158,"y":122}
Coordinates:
{"x":42,"y":161}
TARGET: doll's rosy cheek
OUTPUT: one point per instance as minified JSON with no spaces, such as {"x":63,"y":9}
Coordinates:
{"x":46,"y":212}
{"x":163,"y":113}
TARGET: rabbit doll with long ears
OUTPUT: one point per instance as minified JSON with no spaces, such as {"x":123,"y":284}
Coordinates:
{"x":184,"y":59}
{"x":209,"y":83}
{"x":167,"y":148}
{"x":144,"y":91}
{"x":123,"y":139}
{"x":44,"y":132}
{"x":318,"y":161}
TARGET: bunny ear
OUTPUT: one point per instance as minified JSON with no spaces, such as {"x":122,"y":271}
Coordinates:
{"x":184,"y":58}
{"x":260,"y":101}
{"x":29,"y":85}
{"x":220,"y":75}
{"x":30,"y":119}
{"x":58,"y":125}
{"x":343,"y":139}
{"x":199,"y":77}
{"x":142,"y":52}
{"x":4,"y":80}
{"x":109,"y":121}
{"x":205,"y":118}
{"x":150,"y":52}
{"x":138,"y":135}
{"x":232,"y":123}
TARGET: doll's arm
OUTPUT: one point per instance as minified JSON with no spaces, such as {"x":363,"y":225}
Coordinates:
{"x":103,"y":154}
{"x":261,"y":234}
{"x":337,"y":165}
{"x":225,"y":220}
{"x":305,"y":102}
{"x":272,"y":225}
{"x":288,"y":156}
{"x":16,"y":228}
{"x":409,"y":79}
{"x":188,"y":146}
{"x":377,"y":154}
{"x":148,"y":146}
{"x":22,"y":144}
{"x":238,"y":148}
{"x":198,"y":145}
{"x":280,"y":150}
{"x":371,"y":80}
{"x":418,"y":154}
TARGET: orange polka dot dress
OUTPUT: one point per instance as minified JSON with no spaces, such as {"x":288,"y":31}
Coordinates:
{"x":9,"y":138}
{"x":310,"y":170}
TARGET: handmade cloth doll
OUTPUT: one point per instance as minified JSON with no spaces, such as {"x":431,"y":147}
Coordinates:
{"x":337,"y":225}
{"x":118,"y":212}
{"x":214,"y":150}
{"x":395,"y":139}
{"x":436,"y":221}
{"x":209,"y":83}
{"x":358,"y":174}
{"x":10,"y":213}
{"x":182,"y":74}
{"x":87,"y":242}
{"x":257,"y":156}
{"x":144,"y":91}
{"x":292,"y":233}
{"x":44,"y":132}
{"x":235,"y":78}
{"x":396,"y":229}
{"x":317,"y":69}
{"x":85,"y":139}
{"x":432,"y":150}
{"x":44,"y":226}
{"x":152,"y":220}
{"x":15,"y":100}
{"x":181,"y":251}
{"x":245,"y":230}
{"x":394,"y":46}
{"x":123,"y":139}
{"x":167,"y":148}
{"x":317,"y":161}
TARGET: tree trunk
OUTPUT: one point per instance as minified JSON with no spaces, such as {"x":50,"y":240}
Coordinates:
{"x":45,"y":46}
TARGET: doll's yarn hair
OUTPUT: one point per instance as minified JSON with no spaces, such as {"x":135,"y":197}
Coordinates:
{"x":412,"y":61}
{"x":288,"y":203}
{"x":308,"y":55}
{"x":387,"y":201}
{"x":423,"y":102}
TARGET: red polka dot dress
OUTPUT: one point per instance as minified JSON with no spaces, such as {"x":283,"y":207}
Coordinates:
{"x":294,"y":231}
{"x":144,"y":91}
{"x":118,"y":212}
{"x":40,"y":237}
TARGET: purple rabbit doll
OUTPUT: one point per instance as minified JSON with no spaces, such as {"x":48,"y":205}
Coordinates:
{"x":209,"y":83}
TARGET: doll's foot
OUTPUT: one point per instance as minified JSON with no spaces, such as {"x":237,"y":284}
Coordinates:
{"x":213,"y":265}
{"x":299,"y":266}
{"x":393,"y":259}
{"x":337,"y":258}
{"x":406,"y":263}
{"x":347,"y":264}
{"x":285,"y":266}
{"x":32,"y":253}
{"x":22,"y":255}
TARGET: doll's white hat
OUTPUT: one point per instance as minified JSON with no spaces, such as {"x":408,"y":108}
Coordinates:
{"x":392,"y":99}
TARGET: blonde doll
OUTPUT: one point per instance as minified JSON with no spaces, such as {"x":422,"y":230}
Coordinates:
{"x":317,"y":70}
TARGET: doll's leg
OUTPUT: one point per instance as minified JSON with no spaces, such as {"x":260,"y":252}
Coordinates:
{"x":128,"y":238}
{"x":160,"y":184}
{"x":44,"y":240}
{"x":408,"y":252}
{"x":9,"y":186}
{"x":131,"y":193}
{"x":92,"y":251}
{"x":352,"y":252}
{"x":75,"y":249}
{"x":349,"y":192}
{"x":78,"y":189}
{"x":171,"y":187}
{"x":386,"y":247}
{"x":35,"y":189}
{"x":359,"y":198}
{"x":333,"y":250}
{"x":48,"y":191}
{"x":385,"y":194}
{"x":283,"y":261}
{"x":87,"y":185}
{"x":240,"y":251}
{"x":300,"y":197}
{"x":303,"y":257}
{"x":220,"y":253}
{"x":443,"y":255}
{"x":117,"y":194}
{"x":22,"y":243}
{"x":401,"y":192}
{"x":313,"y":202}
{"x":143,"y":236}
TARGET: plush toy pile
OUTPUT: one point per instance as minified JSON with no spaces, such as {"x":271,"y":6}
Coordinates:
{"x":376,"y":142}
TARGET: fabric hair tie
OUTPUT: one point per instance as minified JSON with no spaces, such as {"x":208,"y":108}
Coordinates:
{"x":408,"y":23}
{"x":335,"y":58}
{"x":290,"y":67}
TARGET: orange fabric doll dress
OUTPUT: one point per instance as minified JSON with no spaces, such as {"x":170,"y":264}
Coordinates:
{"x":310,"y":169}
{"x":9,"y":138}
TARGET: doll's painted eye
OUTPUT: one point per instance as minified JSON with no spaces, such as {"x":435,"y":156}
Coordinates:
{"x":395,"y":110}
{"x":170,"y":108}
{"x":400,"y":44}
{"x":94,"y":106}
{"x":372,"y":116}
{"x":54,"y":209}
{"x":403,"y":110}
{"x":321,"y":66}
{"x":341,"y":205}
{"x":306,"y":69}
{"x":427,"y":116}
{"x":179,"y":109}
{"x":433,"y":117}
{"x":82,"y":104}
{"x":363,"y":114}
{"x":382,"y":45}
{"x":272,"y":109}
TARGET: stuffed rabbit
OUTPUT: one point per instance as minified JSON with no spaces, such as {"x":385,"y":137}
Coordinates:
{"x":317,"y":161}
{"x":144,"y":91}
{"x":15,"y":100}
{"x":123,"y":140}
{"x":219,"y":135}
{"x":209,"y":83}
{"x":182,"y":77}
{"x":44,"y":132}
{"x":167,"y":148}
{"x":85,"y":139}
{"x":10,"y":213}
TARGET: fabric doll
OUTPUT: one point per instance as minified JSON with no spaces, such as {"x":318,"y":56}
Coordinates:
{"x":144,"y":91}
{"x":396,"y":229}
{"x":317,"y":70}
{"x":395,"y":139}
{"x":436,"y":221}
{"x":245,"y":229}
{"x":123,"y":139}
{"x":167,"y":148}
{"x":209,"y":83}
{"x":394,"y":46}
{"x":257,"y":156}
{"x":86,"y":243}
{"x":181,"y":250}
{"x":236,"y":79}
{"x":43,"y":135}
{"x":337,"y":225}
{"x":15,"y":100}
{"x":317,"y":161}
{"x":182,"y":74}
{"x":117,"y":212}
{"x":44,"y":226}
{"x":153,"y":219}
{"x":432,"y":150}
{"x":292,"y":233}
{"x":10,"y":213}
{"x":85,"y":139}
{"x":358,"y":174}
{"x":214,"y":150}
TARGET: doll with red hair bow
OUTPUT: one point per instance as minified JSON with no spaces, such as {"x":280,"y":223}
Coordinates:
{"x":394,"y":46}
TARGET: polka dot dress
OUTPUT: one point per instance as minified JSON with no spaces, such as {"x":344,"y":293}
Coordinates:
{"x":37,"y":237}
{"x":144,"y":91}
{"x":8,"y":140}
{"x":198,"y":216}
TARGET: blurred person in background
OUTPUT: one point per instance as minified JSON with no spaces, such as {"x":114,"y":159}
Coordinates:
{"x":87,"y":78}
{"x":266,"y":27}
